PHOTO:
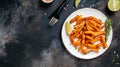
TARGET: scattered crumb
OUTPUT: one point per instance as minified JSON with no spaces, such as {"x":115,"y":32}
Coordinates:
{"x":114,"y":52}
{"x":67,"y":5}
{"x":84,"y":1}
{"x":45,"y":13}
{"x":81,"y":5}
{"x":92,"y":5}
{"x":57,"y":3}
{"x":117,"y":63}
{"x":117,"y":55}
{"x":65,"y":8}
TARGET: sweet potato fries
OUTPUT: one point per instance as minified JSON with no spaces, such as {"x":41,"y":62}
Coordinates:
{"x":88,"y":34}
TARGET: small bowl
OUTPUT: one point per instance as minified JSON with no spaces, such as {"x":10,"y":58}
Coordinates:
{"x":47,"y":1}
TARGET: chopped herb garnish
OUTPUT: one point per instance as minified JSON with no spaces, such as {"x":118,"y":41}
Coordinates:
{"x":108,"y":25}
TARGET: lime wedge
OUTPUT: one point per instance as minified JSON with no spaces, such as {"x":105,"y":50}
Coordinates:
{"x":68,"y":28}
{"x":114,"y":5}
{"x":77,"y":3}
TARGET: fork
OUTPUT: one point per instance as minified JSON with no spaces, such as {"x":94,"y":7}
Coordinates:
{"x":55,"y":15}
{"x":53,"y":20}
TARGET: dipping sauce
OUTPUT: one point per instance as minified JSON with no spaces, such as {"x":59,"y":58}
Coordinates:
{"x":47,"y":1}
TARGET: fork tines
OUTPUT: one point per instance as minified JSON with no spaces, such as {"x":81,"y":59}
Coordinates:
{"x":53,"y":21}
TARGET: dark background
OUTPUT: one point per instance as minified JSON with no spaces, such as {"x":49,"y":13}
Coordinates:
{"x":26,"y":40}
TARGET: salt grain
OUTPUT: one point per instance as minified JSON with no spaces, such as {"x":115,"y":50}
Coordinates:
{"x":45,"y":13}
{"x":67,"y":5}
{"x":65,"y":8}
{"x":84,"y":1}
{"x":117,"y":63}
{"x":81,"y":5}
{"x":117,"y":55}
{"x":114,"y":52}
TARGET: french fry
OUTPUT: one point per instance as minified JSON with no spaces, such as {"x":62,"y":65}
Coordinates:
{"x":88,"y":27}
{"x":81,"y":47}
{"x":72,"y":40}
{"x":73,"y":20}
{"x":99,"y":45}
{"x":95,"y":33}
{"x":94,"y":27}
{"x":89,"y":37}
{"x":92,"y":22}
{"x":83,"y":38}
{"x":85,"y":51}
{"x":96,"y":39}
{"x":78,"y":17}
{"x":103,"y":42}
{"x":92,"y":46}
{"x":87,"y":41}
{"x":97,"y":20}
{"x":78,"y":42}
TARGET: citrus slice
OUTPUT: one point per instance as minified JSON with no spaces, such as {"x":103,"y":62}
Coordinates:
{"x":68,"y":28}
{"x":114,"y":5}
{"x":77,"y":3}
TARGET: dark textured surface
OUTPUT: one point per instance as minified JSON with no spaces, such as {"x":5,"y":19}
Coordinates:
{"x":26,"y":40}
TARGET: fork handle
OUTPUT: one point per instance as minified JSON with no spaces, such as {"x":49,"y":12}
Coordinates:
{"x":59,"y":9}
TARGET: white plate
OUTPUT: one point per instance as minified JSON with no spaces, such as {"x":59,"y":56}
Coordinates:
{"x":84,"y":12}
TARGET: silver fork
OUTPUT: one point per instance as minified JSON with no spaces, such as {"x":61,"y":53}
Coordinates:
{"x":55,"y":15}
